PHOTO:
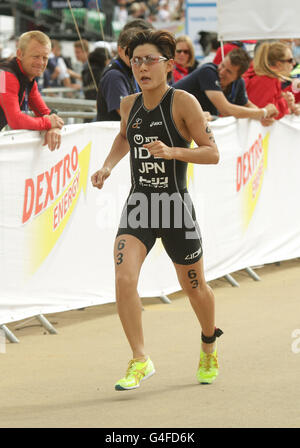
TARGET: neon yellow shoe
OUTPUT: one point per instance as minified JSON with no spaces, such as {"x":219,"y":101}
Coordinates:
{"x":208,"y":368}
{"x":137,"y":371}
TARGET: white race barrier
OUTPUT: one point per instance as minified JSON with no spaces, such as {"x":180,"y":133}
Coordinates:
{"x":57,"y":231}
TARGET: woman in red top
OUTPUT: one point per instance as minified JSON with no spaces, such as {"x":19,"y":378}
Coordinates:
{"x":184,"y":58}
{"x":272,"y":64}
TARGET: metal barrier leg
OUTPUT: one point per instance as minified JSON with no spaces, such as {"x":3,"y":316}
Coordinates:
{"x":9,"y":334}
{"x":165,"y":299}
{"x":231,"y":280}
{"x":253,"y":274}
{"x":46,"y":324}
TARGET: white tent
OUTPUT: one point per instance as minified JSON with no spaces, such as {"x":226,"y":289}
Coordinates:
{"x":258,"y":19}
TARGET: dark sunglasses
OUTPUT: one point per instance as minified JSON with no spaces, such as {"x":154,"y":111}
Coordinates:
{"x":183,"y":51}
{"x":290,"y":61}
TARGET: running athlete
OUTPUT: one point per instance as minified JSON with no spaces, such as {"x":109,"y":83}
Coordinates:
{"x":157,"y":127}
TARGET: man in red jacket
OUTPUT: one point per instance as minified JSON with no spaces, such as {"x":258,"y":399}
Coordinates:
{"x":19,"y":91}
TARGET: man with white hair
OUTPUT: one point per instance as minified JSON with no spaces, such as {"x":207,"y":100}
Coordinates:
{"x":19,"y":90}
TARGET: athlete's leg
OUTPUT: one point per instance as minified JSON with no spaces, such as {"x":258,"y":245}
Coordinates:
{"x":192,"y":281}
{"x":129,"y":255}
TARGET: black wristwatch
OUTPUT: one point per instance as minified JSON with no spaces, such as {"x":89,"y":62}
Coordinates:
{"x":53,"y":111}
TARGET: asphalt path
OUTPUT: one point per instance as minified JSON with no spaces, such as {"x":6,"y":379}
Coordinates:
{"x":66,"y":380}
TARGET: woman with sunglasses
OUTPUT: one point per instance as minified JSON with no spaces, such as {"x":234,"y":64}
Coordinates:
{"x":184,"y":61}
{"x":157,"y":127}
{"x":272,"y":64}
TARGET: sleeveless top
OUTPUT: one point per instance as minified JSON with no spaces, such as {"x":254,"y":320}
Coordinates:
{"x":149,"y":174}
{"x":25,"y":84}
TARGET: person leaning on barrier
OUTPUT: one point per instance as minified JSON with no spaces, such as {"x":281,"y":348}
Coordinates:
{"x":19,"y":90}
{"x":221,"y":91}
{"x":272,"y":65}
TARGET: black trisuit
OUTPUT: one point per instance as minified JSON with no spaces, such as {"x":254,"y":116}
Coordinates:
{"x":159,"y":205}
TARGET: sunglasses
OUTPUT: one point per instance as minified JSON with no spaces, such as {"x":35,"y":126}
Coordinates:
{"x":290,"y":61}
{"x":183,"y":51}
{"x":147,"y":60}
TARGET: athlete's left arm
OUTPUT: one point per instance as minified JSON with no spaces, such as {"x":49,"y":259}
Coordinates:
{"x":193,"y":125}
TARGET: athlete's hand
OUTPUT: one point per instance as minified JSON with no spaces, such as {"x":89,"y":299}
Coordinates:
{"x":100,"y":176}
{"x":159,"y":149}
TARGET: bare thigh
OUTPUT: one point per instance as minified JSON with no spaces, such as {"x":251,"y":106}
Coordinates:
{"x":129,"y":255}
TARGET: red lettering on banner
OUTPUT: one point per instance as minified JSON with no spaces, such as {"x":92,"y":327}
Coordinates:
{"x":65,"y":203}
{"x":57,"y":170}
{"x":28,"y":196}
{"x":41,"y":191}
{"x":66,"y":169}
{"x":247,"y":163}
{"x":74,"y":163}
{"x":49,"y":186}
{"x":239,"y":174}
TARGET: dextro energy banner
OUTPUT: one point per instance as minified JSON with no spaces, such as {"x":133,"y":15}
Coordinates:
{"x":57,"y":232}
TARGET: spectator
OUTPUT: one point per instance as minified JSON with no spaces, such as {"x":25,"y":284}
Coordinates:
{"x":116,"y":82}
{"x":184,"y":57}
{"x":57,"y":71}
{"x":221,"y":91}
{"x":137,"y":10}
{"x":98,"y":60}
{"x":121,"y":13}
{"x":108,"y":7}
{"x":214,"y":45}
{"x":81,"y":49}
{"x":272,"y":64}
{"x":164,"y":14}
{"x":19,"y":88}
{"x":295,"y":84}
{"x":296,"y":50}
{"x":229,"y":46}
{"x":153,"y":7}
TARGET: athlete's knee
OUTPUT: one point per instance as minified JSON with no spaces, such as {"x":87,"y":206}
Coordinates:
{"x":201,"y":293}
{"x":126,"y":284}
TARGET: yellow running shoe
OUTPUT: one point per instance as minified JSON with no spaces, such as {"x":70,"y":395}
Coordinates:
{"x":208,"y":368}
{"x":137,"y":371}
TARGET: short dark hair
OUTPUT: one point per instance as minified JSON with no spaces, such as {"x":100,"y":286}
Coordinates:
{"x":163,"y":40}
{"x":138,"y":23}
{"x":125,"y":37}
{"x":240,"y":57}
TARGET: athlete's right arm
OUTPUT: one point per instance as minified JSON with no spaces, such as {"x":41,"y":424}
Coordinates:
{"x":120,"y":146}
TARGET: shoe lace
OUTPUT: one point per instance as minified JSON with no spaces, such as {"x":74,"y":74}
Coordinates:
{"x":133,"y":370}
{"x":207,"y":361}
{"x":130,"y":368}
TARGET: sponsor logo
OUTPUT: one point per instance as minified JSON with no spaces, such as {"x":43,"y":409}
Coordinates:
{"x":50,"y":198}
{"x":193,"y":255}
{"x":138,"y":122}
{"x":156,"y":123}
{"x":250,"y":171}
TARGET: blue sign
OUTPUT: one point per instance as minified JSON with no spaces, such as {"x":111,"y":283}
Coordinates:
{"x":64,"y":4}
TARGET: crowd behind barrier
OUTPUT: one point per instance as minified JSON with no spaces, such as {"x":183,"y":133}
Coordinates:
{"x":57,"y":231}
